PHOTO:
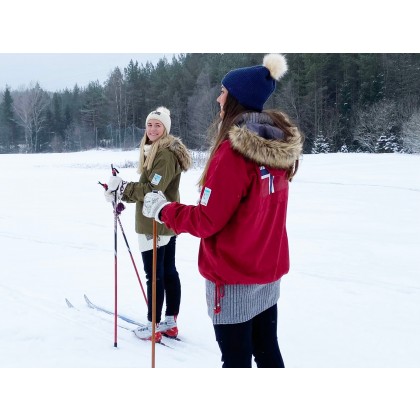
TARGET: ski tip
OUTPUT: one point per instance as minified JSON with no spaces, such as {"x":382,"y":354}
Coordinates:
{"x":89,"y":303}
{"x":69,"y":304}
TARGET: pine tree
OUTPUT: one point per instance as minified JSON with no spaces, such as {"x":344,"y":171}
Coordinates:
{"x":321,"y":144}
{"x":9,"y":130}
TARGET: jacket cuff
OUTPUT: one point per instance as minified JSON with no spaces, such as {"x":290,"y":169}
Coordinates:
{"x":157,"y":217}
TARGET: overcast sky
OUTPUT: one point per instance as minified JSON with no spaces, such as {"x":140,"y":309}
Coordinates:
{"x":56,"y":71}
{"x":53,"y":46}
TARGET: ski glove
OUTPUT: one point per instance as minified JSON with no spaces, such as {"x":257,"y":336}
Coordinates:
{"x":115,"y":185}
{"x":153,"y":203}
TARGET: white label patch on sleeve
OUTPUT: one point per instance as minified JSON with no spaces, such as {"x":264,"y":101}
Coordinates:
{"x":156,"y":179}
{"x":205,"y":197}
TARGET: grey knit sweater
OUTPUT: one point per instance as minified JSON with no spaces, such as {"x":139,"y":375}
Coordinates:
{"x":240,"y":302}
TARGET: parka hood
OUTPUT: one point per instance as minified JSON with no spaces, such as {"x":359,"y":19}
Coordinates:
{"x":180,"y":151}
{"x":258,"y":139}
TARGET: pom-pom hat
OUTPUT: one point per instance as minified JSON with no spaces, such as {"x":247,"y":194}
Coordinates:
{"x":163,"y":115}
{"x":252,"y":86}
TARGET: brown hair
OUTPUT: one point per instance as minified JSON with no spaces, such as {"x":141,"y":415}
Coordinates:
{"x":232,"y":111}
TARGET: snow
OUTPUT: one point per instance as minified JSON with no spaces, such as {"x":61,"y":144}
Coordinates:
{"x":351,"y":299}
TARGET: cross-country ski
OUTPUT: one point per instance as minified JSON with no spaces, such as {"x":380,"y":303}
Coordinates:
{"x":121,"y":317}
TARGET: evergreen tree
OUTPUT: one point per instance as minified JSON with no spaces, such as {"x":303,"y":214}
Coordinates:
{"x":372,"y":79}
{"x":93,"y":115}
{"x":9,"y":131}
{"x":359,"y":102}
{"x":135,"y":98}
{"x":321,"y":144}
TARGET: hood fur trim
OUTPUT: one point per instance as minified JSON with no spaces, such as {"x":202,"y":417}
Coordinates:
{"x":181,"y":152}
{"x":274,"y":153}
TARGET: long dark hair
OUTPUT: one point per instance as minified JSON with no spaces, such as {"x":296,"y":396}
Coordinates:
{"x":219,"y":131}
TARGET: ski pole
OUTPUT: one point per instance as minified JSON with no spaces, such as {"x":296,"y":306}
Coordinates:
{"x":114,"y":173}
{"x":132,"y":259}
{"x":154,"y":291}
{"x":120,"y":208}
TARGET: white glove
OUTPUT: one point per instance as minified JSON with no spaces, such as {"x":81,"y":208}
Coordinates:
{"x":116,"y":187}
{"x":153,"y":203}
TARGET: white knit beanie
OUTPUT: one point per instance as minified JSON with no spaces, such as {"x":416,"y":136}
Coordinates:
{"x":163,"y":115}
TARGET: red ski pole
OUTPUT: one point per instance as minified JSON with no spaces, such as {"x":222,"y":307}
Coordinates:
{"x":131,"y":255}
{"x":120,"y":208}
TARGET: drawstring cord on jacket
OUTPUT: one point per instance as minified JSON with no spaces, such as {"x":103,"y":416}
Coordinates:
{"x":219,"y":293}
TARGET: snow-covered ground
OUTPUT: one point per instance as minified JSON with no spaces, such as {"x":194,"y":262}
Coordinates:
{"x":351,"y":299}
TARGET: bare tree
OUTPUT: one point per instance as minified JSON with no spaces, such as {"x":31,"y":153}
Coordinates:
{"x":30,"y":105}
{"x":375,"y":124}
{"x":411,"y":133}
{"x":116,"y":97}
{"x":288,"y":100}
{"x":22,"y":107}
{"x":202,"y":109}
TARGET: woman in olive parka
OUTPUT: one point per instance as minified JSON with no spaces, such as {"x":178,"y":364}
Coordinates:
{"x":163,"y":158}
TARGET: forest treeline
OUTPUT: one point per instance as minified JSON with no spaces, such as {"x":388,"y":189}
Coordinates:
{"x":342,"y":103}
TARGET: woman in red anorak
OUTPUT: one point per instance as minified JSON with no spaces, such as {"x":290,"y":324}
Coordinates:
{"x":241,"y":215}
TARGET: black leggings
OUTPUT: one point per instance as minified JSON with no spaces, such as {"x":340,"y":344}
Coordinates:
{"x":258,"y":337}
{"x":167,"y":280}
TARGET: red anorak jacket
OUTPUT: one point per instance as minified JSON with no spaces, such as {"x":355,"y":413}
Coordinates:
{"x":241,"y":216}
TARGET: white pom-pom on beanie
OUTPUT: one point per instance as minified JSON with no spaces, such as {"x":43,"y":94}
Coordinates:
{"x":163,"y":115}
{"x":252,"y":86}
{"x":276,"y":65}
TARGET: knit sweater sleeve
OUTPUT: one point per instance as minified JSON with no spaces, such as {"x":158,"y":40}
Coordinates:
{"x":226,"y":185}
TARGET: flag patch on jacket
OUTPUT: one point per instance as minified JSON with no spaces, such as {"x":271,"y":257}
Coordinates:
{"x":265,"y":174}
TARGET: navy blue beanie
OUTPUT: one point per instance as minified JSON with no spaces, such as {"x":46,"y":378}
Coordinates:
{"x":252,"y":86}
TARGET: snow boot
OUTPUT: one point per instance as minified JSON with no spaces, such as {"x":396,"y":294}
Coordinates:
{"x":168,"y":327}
{"x":145,"y":333}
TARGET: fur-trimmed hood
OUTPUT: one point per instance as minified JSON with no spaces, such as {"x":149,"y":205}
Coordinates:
{"x":180,"y":151}
{"x":256,"y":138}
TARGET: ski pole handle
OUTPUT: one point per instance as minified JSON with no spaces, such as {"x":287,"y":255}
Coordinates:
{"x":114,"y":170}
{"x":104,"y":185}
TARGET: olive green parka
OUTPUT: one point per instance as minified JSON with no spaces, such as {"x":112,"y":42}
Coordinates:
{"x":164,"y":175}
